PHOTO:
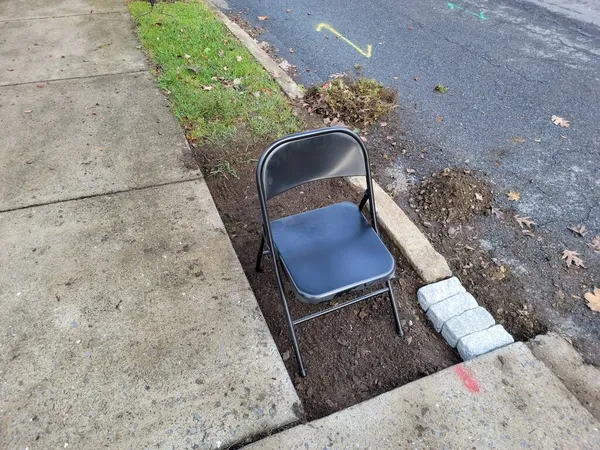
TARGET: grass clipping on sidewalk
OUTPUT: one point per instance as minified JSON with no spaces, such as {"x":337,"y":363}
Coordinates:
{"x":216,"y":87}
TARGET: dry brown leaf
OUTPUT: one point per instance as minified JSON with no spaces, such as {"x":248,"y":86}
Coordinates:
{"x":561,"y":122}
{"x":528,"y":233}
{"x":496,"y":212}
{"x":571,"y":257}
{"x":595,"y":244}
{"x":593,"y":299}
{"x":238,"y":58}
{"x":525,"y":221}
{"x":261,"y":18}
{"x":514,"y":196}
{"x":581,"y":230}
{"x":292,"y":50}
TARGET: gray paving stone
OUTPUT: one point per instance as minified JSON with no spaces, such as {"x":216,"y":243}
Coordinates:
{"x":442,"y":311}
{"x":468,"y":322}
{"x":436,"y":292}
{"x":485,"y":341}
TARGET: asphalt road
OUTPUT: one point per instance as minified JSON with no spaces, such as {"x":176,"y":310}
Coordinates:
{"x":509,"y":67}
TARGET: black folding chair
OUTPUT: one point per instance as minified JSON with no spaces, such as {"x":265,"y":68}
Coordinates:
{"x":329,"y":251}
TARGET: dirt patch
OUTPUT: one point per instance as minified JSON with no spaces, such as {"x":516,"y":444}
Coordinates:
{"x":353,"y":354}
{"x":355,"y":102}
{"x":451,"y":195}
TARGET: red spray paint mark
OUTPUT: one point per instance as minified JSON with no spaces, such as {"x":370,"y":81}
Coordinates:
{"x":467,"y":380}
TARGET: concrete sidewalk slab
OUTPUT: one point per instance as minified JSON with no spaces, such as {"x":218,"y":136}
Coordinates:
{"x":30,"y":9}
{"x":67,"y":47}
{"x":127,"y":322}
{"x":504,"y":400}
{"x":85,"y":137}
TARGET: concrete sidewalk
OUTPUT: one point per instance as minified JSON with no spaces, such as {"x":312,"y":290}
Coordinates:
{"x":506,"y":399}
{"x":127,"y":321}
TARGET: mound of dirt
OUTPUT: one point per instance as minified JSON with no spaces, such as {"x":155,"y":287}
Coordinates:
{"x":352,"y":102}
{"x":452,"y":195}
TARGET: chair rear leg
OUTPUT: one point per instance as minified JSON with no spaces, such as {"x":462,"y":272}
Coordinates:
{"x":395,"y":309}
{"x":260,"y":254}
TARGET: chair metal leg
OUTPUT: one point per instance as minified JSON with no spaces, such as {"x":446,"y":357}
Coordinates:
{"x":290,"y":323}
{"x":395,"y":309}
{"x":363,"y":202}
{"x":260,"y":254}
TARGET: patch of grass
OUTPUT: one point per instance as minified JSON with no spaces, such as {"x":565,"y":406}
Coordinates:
{"x":440,"y":88}
{"x":225,"y":169}
{"x":354,"y":102}
{"x":215,"y":85}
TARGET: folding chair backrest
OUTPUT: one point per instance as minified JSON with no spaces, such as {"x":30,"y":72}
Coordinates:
{"x":311,"y":156}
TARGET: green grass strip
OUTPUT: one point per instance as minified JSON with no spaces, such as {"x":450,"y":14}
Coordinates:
{"x":217,"y":89}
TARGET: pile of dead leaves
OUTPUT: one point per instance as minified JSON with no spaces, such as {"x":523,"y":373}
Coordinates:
{"x":451,"y":195}
{"x":344,"y":100}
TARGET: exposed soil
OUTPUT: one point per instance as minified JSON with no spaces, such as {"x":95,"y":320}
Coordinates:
{"x":453,"y":209}
{"x":353,"y":354}
{"x":451,"y":195}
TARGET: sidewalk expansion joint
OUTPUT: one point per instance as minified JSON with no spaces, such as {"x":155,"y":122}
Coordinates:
{"x":61,"y":16}
{"x":102,"y":194}
{"x":83,"y":77}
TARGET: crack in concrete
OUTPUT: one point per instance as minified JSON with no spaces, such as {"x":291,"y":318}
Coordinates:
{"x":101,"y":194}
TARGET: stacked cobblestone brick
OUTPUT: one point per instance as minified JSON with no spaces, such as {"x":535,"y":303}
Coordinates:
{"x":464,"y":324}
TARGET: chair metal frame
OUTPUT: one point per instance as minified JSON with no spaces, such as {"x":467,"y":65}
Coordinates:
{"x":267,"y":237}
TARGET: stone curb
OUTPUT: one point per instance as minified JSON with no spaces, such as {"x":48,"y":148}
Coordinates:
{"x":288,"y":86}
{"x":416,"y":248}
{"x":463,"y":324}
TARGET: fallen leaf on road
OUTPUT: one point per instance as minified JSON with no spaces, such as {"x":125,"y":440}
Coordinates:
{"x":528,"y":233}
{"x":525,"y":221}
{"x":496,"y":212}
{"x":410,"y":171}
{"x":416,"y":78}
{"x":593,"y":299}
{"x":238,"y":58}
{"x":595,"y":244}
{"x":364,"y":139}
{"x":514,"y":196}
{"x":561,"y":122}
{"x":288,"y":10}
{"x":410,"y":28}
{"x":571,"y":257}
{"x":292,"y":50}
{"x":438,"y":119}
{"x":580,"y":230}
{"x":261,"y":18}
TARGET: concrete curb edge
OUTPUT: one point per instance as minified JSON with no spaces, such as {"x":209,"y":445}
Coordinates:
{"x":288,"y":86}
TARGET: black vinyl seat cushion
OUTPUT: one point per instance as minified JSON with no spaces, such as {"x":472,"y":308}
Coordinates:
{"x":331,"y":250}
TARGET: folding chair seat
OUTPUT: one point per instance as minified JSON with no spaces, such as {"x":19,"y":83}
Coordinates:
{"x":329,"y":251}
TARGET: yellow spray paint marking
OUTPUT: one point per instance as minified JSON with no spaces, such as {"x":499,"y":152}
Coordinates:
{"x":346,"y":40}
